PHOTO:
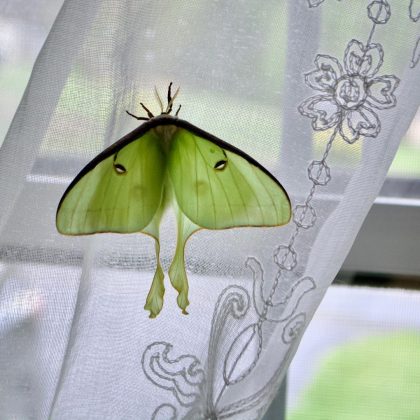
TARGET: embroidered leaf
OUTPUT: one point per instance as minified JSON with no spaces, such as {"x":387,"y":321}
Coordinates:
{"x":243,"y":354}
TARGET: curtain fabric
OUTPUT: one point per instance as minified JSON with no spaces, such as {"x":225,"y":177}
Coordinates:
{"x":319,"y":92}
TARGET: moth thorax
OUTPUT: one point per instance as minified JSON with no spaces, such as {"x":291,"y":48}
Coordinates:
{"x":166,"y":134}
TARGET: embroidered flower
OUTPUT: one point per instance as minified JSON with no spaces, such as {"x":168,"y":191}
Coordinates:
{"x":348,"y":96}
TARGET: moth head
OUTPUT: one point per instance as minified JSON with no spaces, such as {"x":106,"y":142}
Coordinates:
{"x":163,"y":111}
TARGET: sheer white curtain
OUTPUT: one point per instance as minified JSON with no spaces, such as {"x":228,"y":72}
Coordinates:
{"x":319,"y":92}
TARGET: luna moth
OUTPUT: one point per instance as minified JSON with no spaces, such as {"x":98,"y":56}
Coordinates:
{"x":168,"y":162}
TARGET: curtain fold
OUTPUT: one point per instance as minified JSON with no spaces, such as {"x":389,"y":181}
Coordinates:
{"x":319,"y":92}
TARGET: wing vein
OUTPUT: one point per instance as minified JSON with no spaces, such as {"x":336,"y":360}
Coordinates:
{"x":73,"y":213}
{"x":255,"y":195}
{"x":253,"y":192}
{"x":208,"y":178}
{"x":128,"y":194}
{"x":142,"y":177}
{"x":212,"y":195}
{"x":116,"y":210}
{"x":104,"y":195}
{"x":266,"y":190}
{"x":196,"y":177}
{"x":239,"y":191}
{"x":227,"y":198}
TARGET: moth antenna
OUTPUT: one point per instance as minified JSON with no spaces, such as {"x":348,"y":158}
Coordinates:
{"x":149,"y":114}
{"x":169,"y":93}
{"x":175,"y":95}
{"x":171,"y":102}
{"x":159,"y":100}
{"x":177,"y":111}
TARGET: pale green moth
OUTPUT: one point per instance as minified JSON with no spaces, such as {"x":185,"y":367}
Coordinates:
{"x":168,"y":162}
